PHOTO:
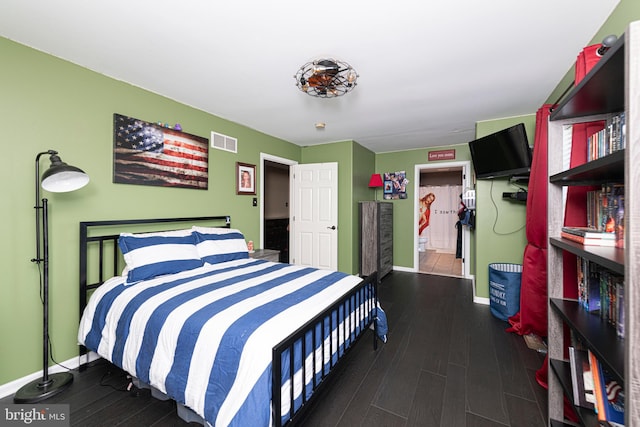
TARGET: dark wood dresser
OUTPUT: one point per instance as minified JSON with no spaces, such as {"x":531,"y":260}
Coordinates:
{"x":376,"y":238}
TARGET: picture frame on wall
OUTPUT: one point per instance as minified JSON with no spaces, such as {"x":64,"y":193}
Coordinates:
{"x":395,"y":185}
{"x":146,"y":153}
{"x":245,"y":178}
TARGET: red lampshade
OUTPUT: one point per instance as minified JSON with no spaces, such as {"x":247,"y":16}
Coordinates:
{"x":375,"y":181}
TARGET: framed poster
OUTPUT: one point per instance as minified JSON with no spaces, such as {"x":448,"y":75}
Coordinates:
{"x":245,"y":178}
{"x":148,"y":154}
{"x":395,"y":185}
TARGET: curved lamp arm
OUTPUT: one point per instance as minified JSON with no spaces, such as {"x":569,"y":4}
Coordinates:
{"x":59,"y":178}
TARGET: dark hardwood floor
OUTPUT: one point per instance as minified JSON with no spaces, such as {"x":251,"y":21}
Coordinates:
{"x":447,"y":362}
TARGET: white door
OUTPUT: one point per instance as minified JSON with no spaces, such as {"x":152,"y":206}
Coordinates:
{"x":314,"y":224}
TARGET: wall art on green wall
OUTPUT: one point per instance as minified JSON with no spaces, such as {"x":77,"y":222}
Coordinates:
{"x":149,"y":154}
{"x":245,"y":178}
{"x":395,"y":185}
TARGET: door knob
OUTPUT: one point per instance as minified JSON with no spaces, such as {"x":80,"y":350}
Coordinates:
{"x":333,"y":227}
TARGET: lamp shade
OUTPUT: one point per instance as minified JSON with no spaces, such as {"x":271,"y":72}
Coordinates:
{"x":61,"y":177}
{"x":375,"y":181}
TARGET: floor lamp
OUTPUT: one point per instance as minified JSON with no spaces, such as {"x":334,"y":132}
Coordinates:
{"x":59,"y":178}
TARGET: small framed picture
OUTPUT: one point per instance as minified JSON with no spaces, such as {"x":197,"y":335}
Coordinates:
{"x":245,"y":178}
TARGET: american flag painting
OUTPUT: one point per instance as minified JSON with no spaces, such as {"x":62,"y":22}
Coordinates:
{"x":148,"y":154}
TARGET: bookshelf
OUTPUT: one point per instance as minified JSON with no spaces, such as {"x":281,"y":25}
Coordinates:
{"x":612,"y":86}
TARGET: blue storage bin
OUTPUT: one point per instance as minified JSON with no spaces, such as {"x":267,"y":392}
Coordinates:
{"x":504,"y":289}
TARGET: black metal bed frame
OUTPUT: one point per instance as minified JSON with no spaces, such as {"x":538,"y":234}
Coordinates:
{"x":363,"y":297}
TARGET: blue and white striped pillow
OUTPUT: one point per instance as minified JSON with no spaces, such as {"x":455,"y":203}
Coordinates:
{"x":153,"y":254}
{"x":217,"y":245}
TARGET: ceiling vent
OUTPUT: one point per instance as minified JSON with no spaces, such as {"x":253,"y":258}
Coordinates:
{"x":224,"y":142}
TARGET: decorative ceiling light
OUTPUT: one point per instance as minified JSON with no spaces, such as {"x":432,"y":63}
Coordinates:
{"x":326,"y":78}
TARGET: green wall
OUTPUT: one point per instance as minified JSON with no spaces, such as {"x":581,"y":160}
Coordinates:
{"x":47,"y":103}
{"x":364,"y":162}
{"x":503,"y":243}
{"x":403,"y":209}
{"x":627,"y":11}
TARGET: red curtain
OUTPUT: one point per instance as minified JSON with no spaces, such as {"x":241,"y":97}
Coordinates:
{"x":532,"y":317}
{"x":575,"y":215}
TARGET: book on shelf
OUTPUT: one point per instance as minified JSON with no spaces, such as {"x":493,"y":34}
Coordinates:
{"x":601,"y":291}
{"x":588,"y":241}
{"x":605,"y":213}
{"x":609,"y":394}
{"x":581,"y":378}
{"x":597,"y":386}
{"x":588,"y":285}
{"x":620,"y":309}
{"x":588,"y":232}
{"x":612,"y":300}
{"x":582,"y":280}
{"x":605,"y":298}
{"x":617,"y":208}
{"x":594,"y":298}
{"x":608,"y":140}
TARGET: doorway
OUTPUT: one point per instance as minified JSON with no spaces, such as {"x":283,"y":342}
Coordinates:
{"x":275,"y":204}
{"x":441,"y":246}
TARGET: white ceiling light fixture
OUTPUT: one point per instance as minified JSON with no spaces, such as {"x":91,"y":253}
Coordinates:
{"x":326,"y":78}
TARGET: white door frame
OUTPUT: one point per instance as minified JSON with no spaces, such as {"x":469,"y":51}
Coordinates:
{"x":314,"y":230}
{"x":466,"y":235}
{"x":269,"y":157}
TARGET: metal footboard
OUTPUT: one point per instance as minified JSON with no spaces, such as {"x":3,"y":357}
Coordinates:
{"x":346,"y":320}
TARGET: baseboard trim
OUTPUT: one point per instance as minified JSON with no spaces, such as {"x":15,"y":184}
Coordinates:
{"x":70,"y":364}
{"x":405,"y":269}
{"x":477,"y":299}
{"x":481,"y":300}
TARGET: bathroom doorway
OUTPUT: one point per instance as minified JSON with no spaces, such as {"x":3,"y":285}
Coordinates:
{"x":441,"y":243}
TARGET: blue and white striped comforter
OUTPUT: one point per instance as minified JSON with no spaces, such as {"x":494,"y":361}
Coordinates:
{"x":205,"y":336}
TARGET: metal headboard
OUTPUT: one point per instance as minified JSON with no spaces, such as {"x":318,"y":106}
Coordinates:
{"x":107,"y":242}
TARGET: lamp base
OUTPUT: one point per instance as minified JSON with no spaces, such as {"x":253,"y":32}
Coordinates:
{"x":38,"y":390}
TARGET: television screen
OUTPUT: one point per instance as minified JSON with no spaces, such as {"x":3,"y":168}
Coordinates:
{"x":501,"y":154}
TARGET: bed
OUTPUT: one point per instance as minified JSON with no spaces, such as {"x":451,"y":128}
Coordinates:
{"x":233,"y":340}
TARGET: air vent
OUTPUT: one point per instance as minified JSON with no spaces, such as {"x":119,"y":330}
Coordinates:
{"x":224,"y":142}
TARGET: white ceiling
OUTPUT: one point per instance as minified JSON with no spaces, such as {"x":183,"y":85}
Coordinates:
{"x":428,"y":70}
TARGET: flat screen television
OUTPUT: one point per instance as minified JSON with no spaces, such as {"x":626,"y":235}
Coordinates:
{"x":505,"y":153}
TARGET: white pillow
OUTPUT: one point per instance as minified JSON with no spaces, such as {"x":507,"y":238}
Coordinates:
{"x":153,"y":254}
{"x":217,"y":245}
